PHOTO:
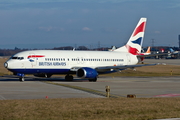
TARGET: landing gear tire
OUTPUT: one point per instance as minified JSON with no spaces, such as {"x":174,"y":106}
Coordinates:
{"x":69,"y":78}
{"x":48,"y":75}
{"x":21,"y":79}
{"x":93,"y":80}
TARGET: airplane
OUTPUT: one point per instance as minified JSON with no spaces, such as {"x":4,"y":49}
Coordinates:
{"x":85,"y":64}
{"x":142,"y":55}
{"x":148,"y":52}
{"x":173,"y":52}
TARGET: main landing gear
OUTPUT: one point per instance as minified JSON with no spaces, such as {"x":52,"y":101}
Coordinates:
{"x":21,"y":79}
{"x":69,"y":77}
{"x":93,"y":79}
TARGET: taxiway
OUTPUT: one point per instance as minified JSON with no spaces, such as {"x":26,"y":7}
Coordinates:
{"x":142,"y":87}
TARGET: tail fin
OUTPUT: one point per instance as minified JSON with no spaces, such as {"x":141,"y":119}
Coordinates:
{"x":134,"y":44}
{"x":113,"y":48}
{"x":171,"y":50}
{"x":148,"y":50}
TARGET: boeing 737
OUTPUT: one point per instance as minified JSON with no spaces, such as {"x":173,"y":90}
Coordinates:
{"x":85,"y":64}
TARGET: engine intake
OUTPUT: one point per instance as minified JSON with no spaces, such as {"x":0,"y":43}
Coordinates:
{"x":86,"y":72}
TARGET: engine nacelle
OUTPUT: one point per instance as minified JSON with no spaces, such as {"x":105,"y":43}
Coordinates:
{"x":86,"y":72}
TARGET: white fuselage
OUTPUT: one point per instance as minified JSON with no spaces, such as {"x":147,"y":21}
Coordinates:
{"x":60,"y":61}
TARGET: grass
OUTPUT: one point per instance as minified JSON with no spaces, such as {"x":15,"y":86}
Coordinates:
{"x":149,"y":71}
{"x":2,"y":69}
{"x":96,"y":108}
{"x":91,"y":109}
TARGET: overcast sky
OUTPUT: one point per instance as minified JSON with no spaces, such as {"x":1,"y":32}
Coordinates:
{"x":54,"y":23}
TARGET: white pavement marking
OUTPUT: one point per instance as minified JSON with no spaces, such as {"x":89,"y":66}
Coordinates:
{"x":2,"y":98}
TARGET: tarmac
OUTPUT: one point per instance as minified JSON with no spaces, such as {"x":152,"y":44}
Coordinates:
{"x":142,"y":87}
{"x":164,"y":61}
{"x":37,"y":88}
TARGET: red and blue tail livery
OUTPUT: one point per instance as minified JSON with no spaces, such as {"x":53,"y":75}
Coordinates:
{"x":134,"y":44}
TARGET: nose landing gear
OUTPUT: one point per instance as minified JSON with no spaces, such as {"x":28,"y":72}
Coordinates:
{"x":21,"y":77}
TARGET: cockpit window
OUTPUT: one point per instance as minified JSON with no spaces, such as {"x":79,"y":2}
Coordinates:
{"x":19,"y":58}
{"x":14,"y":57}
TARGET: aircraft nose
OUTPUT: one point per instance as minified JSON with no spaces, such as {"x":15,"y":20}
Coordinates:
{"x":6,"y":65}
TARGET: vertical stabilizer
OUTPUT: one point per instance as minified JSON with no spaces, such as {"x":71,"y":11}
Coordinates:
{"x":134,"y":43}
{"x":148,"y":50}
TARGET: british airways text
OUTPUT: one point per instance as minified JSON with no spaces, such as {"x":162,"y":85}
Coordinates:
{"x":52,"y":63}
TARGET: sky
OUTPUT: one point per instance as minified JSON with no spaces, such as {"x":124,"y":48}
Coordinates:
{"x":54,"y":23}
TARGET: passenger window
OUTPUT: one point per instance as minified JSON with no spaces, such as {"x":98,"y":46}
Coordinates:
{"x":20,"y":58}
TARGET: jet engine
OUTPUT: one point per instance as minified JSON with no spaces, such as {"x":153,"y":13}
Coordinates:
{"x":86,"y":72}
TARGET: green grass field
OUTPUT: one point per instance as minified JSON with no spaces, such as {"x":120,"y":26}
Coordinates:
{"x":96,"y":108}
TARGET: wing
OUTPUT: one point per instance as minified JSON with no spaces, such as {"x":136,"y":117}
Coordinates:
{"x":111,"y":68}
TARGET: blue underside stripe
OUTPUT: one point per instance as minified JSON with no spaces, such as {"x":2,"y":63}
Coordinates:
{"x":48,"y":71}
{"x":33,"y":71}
